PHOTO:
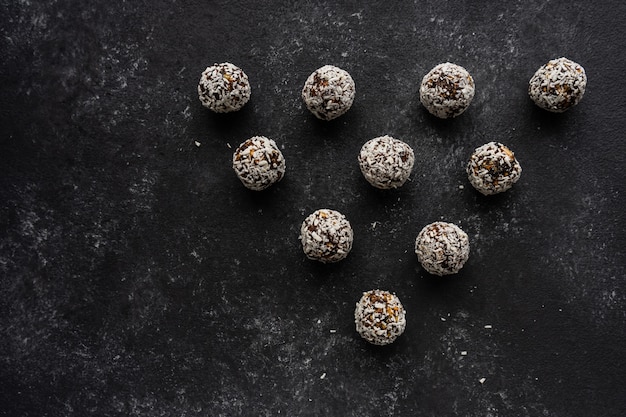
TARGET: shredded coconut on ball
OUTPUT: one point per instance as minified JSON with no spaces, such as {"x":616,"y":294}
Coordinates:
{"x":558,"y":85}
{"x":386,"y":162}
{"x":326,"y":236}
{"x":224,"y":88}
{"x":447,"y":90}
{"x":258,"y":163}
{"x":442,"y":248}
{"x":379,"y":317}
{"x":493,"y":168}
{"x":328,"y":92}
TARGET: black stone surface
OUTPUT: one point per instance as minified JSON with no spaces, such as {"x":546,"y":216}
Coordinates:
{"x":139,"y":277}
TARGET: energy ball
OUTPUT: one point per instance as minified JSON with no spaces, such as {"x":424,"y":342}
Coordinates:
{"x":379,"y":317}
{"x":224,"y":88}
{"x":493,"y":169}
{"x":558,"y":85}
{"x":442,"y":248}
{"x":447,"y":90}
{"x":258,"y":163}
{"x":326,"y":236}
{"x":386,"y":162}
{"x":328,"y":92}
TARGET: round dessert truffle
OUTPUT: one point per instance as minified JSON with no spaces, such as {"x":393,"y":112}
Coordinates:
{"x":379,"y":317}
{"x":328,"y":92}
{"x":447,"y":90}
{"x":493,"y":169}
{"x":326,"y":236}
{"x":258,"y":163}
{"x":386,"y":162}
{"x":224,"y":88}
{"x":442,"y":248}
{"x":558,"y":85}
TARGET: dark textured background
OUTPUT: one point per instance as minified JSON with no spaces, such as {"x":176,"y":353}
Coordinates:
{"x":139,"y":277}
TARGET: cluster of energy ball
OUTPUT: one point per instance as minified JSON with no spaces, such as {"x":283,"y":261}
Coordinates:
{"x":386,"y":163}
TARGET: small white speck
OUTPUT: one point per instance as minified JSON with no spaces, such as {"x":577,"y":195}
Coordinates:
{"x":310,"y":400}
{"x":344,"y":54}
{"x":116,"y":357}
{"x":464,"y":353}
{"x":319,"y":321}
{"x":560,"y":309}
{"x":488,"y":326}
{"x":442,"y":318}
{"x":323,"y":375}
{"x":374,"y":225}
{"x":228,"y":144}
{"x":197,"y":143}
{"x":461,"y":187}
{"x":482,"y":380}
{"x":333,"y":331}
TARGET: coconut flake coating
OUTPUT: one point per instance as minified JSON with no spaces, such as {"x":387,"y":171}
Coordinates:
{"x":558,"y":85}
{"x":442,"y":248}
{"x":258,"y":163}
{"x":386,"y":162}
{"x":379,"y":317}
{"x":224,"y":88}
{"x":493,"y":169}
{"x":326,"y":236}
{"x":328,"y":92}
{"x":447,"y":90}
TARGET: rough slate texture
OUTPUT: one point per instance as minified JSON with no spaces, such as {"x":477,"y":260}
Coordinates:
{"x":139,"y":278}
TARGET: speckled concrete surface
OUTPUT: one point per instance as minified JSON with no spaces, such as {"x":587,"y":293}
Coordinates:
{"x":138,"y":277}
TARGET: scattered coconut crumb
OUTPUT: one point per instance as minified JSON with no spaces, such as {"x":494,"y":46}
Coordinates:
{"x":488,"y":326}
{"x":482,"y":380}
{"x":197,"y":143}
{"x":442,"y":319}
{"x":333,"y":330}
{"x":464,"y":353}
{"x":323,"y":375}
